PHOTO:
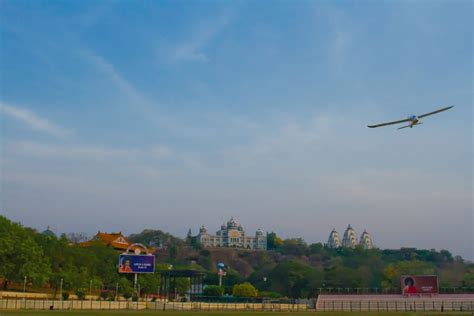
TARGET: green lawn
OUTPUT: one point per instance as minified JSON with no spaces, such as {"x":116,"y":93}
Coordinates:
{"x":144,"y":313}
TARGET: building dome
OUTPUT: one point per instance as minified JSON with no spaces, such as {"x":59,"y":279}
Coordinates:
{"x":259,"y":232}
{"x":350,"y":238}
{"x":48,"y":233}
{"x":202,"y":230}
{"x":232,"y":224}
{"x":334,"y":240}
{"x":366,"y":240}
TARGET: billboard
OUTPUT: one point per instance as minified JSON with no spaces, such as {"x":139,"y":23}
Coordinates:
{"x":129,"y":263}
{"x":419,"y":284}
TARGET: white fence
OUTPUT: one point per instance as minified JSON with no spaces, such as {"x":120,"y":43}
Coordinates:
{"x":395,"y":303}
{"x":12,"y":304}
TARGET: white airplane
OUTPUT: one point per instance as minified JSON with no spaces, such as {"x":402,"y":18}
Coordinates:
{"x":413,"y":119}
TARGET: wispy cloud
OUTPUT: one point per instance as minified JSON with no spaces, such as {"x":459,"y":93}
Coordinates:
{"x":112,"y":73}
{"x":192,"y":49}
{"x":78,"y":153}
{"x":33,"y":120}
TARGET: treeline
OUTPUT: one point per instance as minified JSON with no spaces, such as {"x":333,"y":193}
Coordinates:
{"x":45,"y":260}
{"x":291,"y":267}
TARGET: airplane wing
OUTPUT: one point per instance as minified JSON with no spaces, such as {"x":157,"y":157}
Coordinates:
{"x":389,"y":123}
{"x":434,"y":112}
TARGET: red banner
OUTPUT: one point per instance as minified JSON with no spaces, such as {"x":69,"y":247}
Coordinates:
{"x":419,"y":284}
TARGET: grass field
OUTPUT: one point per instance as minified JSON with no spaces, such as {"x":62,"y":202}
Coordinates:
{"x":135,"y":313}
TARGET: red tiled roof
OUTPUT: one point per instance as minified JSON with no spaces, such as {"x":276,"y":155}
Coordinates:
{"x":115,"y":240}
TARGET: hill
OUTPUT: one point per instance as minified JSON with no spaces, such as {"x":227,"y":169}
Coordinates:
{"x":290,"y":268}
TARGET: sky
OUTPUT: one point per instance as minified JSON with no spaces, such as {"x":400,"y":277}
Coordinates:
{"x":125,"y":115}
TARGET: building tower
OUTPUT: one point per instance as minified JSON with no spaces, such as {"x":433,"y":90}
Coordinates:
{"x":350,"y":238}
{"x":334,"y":240}
{"x":260,"y":240}
{"x":366,"y":240}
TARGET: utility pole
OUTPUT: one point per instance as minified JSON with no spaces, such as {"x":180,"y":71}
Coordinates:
{"x":90,"y":292}
{"x":24,"y":291}
{"x":135,"y":283}
{"x":61,"y":293}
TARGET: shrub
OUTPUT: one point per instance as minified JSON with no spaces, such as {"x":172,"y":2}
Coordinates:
{"x":270,"y":294}
{"x":104,"y":294}
{"x":81,"y":293}
{"x":127,"y":295}
{"x":214,"y":290}
{"x":244,"y":290}
{"x":65,"y":295}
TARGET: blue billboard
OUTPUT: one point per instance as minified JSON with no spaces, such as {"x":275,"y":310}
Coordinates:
{"x":129,"y":263}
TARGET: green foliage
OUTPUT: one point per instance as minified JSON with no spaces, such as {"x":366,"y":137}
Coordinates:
{"x":270,"y":294}
{"x":273,"y":241}
{"x":20,"y":255}
{"x":81,"y":293}
{"x":213,"y":290}
{"x":104,"y":294}
{"x":392,"y":273}
{"x":173,"y":252}
{"x":65,"y":295}
{"x":244,"y":290}
{"x":294,"y":247}
{"x":155,"y":238}
{"x":195,"y":243}
{"x":182,"y":285}
{"x":292,"y":269}
{"x":294,"y":279}
{"x":468,"y":278}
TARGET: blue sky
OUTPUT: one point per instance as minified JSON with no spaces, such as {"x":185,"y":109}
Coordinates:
{"x":121,"y":115}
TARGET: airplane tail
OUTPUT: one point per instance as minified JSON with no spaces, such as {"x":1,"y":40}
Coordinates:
{"x":404,"y":126}
{"x":418,"y":123}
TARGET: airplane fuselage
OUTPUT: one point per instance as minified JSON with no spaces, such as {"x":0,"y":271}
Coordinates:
{"x":414,"y":121}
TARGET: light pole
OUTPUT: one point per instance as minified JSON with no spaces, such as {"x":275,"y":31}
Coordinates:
{"x":61,"y":293}
{"x":24,"y":291}
{"x":90,"y":291}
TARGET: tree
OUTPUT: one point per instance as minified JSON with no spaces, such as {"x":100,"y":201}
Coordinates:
{"x":77,"y":238}
{"x":155,"y":238}
{"x":468,"y":279}
{"x":273,"y":241}
{"x":182,"y":285}
{"x":20,"y":255}
{"x":295,"y":247}
{"x":81,"y":293}
{"x":213,"y":290}
{"x":393,"y":272}
{"x":244,"y":290}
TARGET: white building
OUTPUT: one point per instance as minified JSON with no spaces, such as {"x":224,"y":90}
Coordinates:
{"x":232,"y":235}
{"x":366,"y":240}
{"x":334,"y":240}
{"x":349,"y":239}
